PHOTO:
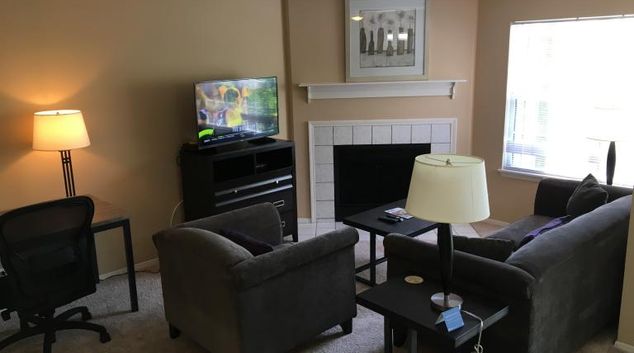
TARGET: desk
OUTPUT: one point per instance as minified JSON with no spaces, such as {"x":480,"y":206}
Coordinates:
{"x":107,"y":216}
{"x":409,"y":305}
{"x":368,"y":221}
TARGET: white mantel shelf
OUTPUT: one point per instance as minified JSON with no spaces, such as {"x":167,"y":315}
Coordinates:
{"x":381,"y":89}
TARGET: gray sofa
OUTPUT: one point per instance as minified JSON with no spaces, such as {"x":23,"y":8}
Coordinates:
{"x":229,"y":301}
{"x":562,"y":287}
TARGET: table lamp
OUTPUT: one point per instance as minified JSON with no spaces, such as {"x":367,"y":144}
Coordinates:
{"x":448,"y":189}
{"x":61,"y":130}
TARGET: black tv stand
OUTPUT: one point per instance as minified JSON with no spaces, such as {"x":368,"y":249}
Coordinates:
{"x":226,"y":178}
{"x":262,"y":141}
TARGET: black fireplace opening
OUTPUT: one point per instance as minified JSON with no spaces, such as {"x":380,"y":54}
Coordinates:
{"x":368,"y":176}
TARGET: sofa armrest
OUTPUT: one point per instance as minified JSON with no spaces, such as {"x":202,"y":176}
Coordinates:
{"x":473,"y":273}
{"x":551,"y":198}
{"x":261,"y":221}
{"x":257,"y":270}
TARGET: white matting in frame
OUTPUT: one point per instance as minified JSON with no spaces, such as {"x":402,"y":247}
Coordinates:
{"x":386,"y":40}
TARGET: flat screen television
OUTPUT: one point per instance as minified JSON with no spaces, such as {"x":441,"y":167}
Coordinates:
{"x":236,"y":110}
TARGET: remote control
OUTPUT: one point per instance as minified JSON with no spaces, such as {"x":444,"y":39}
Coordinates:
{"x":387,"y":220}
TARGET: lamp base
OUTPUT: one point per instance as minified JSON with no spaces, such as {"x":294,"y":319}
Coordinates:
{"x":441,"y":302}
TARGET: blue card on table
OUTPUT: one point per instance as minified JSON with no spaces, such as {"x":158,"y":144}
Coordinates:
{"x":452,"y":319}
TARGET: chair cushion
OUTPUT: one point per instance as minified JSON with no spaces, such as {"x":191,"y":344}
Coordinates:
{"x":494,"y":249}
{"x":587,"y":196}
{"x":516,"y":231}
{"x":254,"y":246}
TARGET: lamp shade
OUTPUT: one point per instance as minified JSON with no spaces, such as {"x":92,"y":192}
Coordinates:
{"x":59,"y":130}
{"x":448,"y":189}
{"x":608,"y":124}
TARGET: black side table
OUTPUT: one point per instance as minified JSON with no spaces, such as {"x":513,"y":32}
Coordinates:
{"x":369,"y":221}
{"x":409,"y":305}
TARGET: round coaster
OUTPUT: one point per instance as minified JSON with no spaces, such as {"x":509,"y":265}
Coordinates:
{"x":414,"y":279}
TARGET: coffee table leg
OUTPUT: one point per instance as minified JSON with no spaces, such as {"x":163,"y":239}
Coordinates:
{"x":387,"y":328}
{"x":412,"y":341}
{"x":373,"y":259}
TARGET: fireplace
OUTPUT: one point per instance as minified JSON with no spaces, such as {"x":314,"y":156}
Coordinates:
{"x":405,"y":135}
{"x":367,"y":176}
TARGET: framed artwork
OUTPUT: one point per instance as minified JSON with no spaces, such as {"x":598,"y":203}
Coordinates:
{"x":386,"y":40}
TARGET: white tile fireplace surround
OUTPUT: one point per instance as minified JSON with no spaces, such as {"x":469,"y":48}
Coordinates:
{"x":323,"y":135}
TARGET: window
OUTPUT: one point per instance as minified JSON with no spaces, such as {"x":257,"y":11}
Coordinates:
{"x":570,"y":81}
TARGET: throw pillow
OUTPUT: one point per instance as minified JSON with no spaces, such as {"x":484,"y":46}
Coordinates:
{"x":543,"y":229}
{"x":494,"y":249}
{"x":254,"y":246}
{"x":587,"y":196}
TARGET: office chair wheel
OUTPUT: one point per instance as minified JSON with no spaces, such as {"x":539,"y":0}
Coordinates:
{"x":104,"y":337}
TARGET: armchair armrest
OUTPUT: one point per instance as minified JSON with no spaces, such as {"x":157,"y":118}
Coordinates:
{"x":256,"y":270}
{"x":192,"y":245}
{"x":261,"y":221}
{"x":474,"y":273}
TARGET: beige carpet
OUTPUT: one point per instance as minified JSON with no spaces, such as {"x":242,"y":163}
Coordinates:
{"x":146,"y":330}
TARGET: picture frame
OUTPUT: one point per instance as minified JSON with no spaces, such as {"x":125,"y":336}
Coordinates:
{"x":386,"y":40}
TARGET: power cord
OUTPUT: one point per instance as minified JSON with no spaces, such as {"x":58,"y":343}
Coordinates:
{"x":174,"y":212}
{"x":477,"y":348}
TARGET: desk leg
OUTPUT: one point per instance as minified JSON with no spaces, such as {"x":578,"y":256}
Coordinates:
{"x":387,"y":332}
{"x":412,"y":341}
{"x":129,"y":258}
{"x":372,"y":259}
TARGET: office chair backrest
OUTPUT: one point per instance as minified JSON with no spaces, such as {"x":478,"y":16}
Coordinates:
{"x":48,"y":253}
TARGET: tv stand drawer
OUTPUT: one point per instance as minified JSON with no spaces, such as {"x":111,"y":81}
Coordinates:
{"x":281,"y":198}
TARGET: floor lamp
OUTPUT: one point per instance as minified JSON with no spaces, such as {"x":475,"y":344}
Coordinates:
{"x":448,"y":189}
{"x":610,"y":125}
{"x":61,"y":130}
{"x":610,"y":165}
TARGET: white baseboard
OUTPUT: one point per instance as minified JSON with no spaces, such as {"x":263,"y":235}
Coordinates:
{"x":152,"y":263}
{"x":624,"y":347}
{"x":303,"y":220}
{"x":495,"y":222}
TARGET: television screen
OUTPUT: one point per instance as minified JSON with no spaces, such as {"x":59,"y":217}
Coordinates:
{"x":236,"y":110}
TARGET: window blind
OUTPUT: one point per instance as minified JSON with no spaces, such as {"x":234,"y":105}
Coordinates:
{"x":569,"y":83}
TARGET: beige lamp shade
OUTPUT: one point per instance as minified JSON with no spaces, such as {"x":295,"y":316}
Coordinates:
{"x":609,"y":124}
{"x":59,"y":130}
{"x":448,"y":189}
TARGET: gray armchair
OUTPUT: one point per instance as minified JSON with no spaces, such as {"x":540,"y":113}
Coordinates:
{"x":229,"y":301}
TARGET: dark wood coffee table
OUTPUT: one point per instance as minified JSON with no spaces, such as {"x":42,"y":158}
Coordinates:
{"x":409,"y":305}
{"x":369,"y":221}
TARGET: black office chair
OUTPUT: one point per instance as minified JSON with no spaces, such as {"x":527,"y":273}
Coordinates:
{"x":48,"y":253}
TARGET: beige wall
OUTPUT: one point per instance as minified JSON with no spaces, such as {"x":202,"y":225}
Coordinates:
{"x":490,"y":89}
{"x":129,"y":65}
{"x":626,"y":324}
{"x":317,"y":54}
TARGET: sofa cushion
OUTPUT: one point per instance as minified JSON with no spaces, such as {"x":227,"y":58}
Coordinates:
{"x":254,"y":246}
{"x":494,"y":249}
{"x":516,"y":231}
{"x":587,"y":196}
